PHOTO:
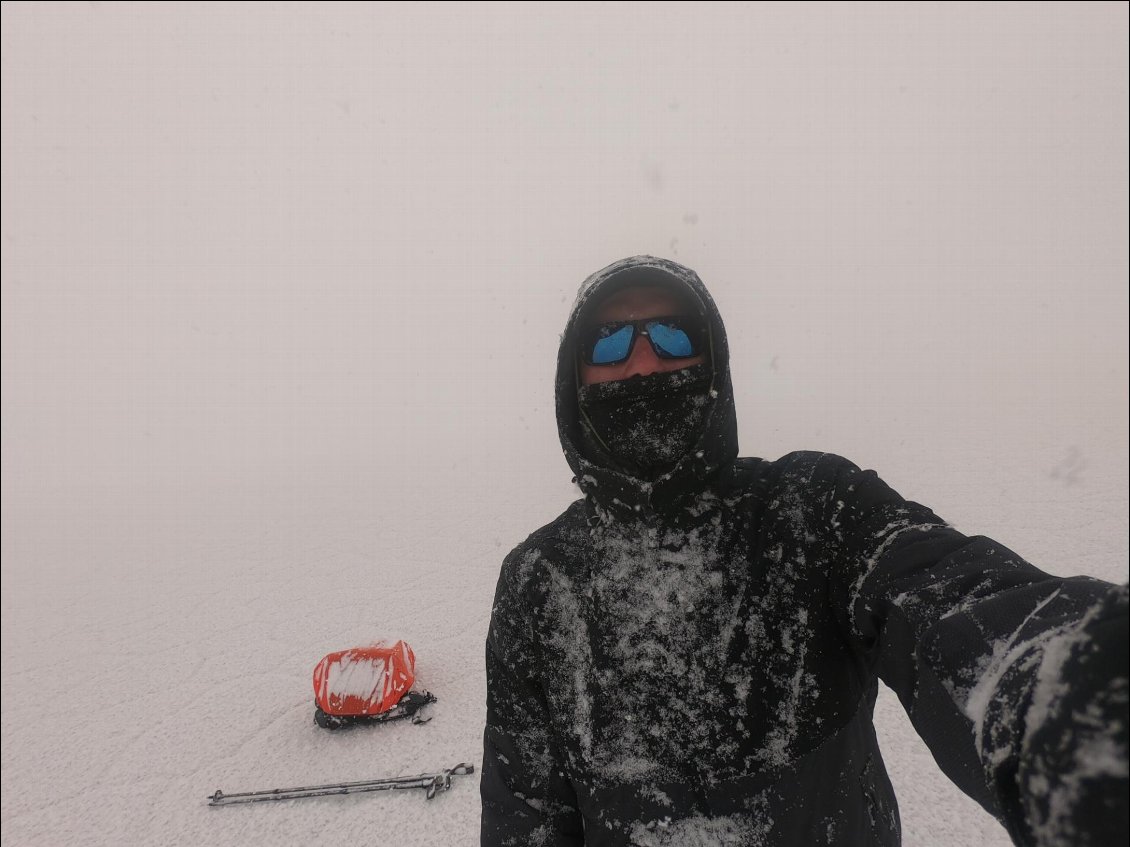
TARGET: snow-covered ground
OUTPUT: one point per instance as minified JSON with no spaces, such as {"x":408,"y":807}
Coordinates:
{"x":282,"y":288}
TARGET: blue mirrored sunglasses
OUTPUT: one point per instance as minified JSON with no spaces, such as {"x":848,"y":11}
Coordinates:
{"x":673,"y":337}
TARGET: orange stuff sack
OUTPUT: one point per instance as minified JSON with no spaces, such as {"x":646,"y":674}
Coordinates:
{"x":364,"y":680}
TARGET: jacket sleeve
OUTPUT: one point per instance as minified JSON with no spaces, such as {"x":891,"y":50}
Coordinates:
{"x":526,"y":796}
{"x":1015,"y":679}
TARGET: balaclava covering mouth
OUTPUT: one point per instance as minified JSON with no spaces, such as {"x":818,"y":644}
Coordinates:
{"x":645,"y":424}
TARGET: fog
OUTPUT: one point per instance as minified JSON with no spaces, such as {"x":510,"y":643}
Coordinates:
{"x":283,"y":286}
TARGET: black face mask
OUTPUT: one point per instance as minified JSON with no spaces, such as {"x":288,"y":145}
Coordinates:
{"x":645,"y":424}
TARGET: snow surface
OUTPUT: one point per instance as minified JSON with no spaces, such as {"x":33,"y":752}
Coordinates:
{"x":225,"y":226}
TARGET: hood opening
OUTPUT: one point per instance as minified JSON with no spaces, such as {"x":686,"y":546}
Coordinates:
{"x":717,"y":444}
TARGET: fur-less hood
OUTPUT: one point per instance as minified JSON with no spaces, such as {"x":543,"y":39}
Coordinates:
{"x":608,"y":491}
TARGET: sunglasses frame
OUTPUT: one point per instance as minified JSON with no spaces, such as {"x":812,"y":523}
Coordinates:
{"x":692,"y":325}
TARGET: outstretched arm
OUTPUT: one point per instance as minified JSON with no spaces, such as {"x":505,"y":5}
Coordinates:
{"x":526,"y":796}
{"x":1015,"y":679}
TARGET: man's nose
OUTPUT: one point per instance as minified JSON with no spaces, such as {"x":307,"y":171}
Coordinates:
{"x":643,"y":360}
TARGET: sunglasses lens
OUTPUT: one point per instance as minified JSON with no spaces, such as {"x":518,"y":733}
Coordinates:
{"x":671,"y":339}
{"x":614,"y":347}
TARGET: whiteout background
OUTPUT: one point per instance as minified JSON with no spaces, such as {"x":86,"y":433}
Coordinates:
{"x":282,"y":290}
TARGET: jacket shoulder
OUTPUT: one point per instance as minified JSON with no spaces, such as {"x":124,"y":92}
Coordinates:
{"x":800,"y":468}
{"x":814,"y":462}
{"x":527,"y":559}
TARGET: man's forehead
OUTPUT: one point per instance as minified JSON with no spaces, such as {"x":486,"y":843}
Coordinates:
{"x":641,"y":300}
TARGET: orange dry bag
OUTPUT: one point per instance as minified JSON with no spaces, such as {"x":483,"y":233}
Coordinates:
{"x":367,"y":684}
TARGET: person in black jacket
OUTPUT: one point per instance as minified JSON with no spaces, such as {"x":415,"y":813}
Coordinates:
{"x":690,"y":653}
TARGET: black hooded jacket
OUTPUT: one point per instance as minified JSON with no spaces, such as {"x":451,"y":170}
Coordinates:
{"x":694,"y":659}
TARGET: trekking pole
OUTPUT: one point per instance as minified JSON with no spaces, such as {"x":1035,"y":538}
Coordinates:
{"x":432,"y":782}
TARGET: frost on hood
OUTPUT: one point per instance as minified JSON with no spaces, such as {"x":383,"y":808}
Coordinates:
{"x":704,"y":393}
{"x":633,"y":263}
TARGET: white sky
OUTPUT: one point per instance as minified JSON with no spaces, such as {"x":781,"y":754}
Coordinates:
{"x":282,"y":290}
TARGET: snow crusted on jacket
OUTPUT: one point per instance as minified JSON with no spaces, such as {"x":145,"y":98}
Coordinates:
{"x":694,"y":659}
